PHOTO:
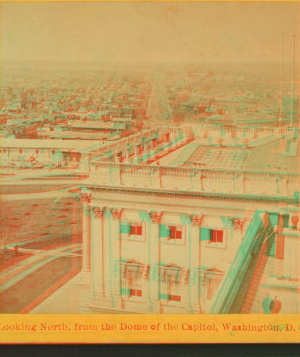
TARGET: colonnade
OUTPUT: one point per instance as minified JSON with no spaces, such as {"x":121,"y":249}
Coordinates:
{"x":104,"y":251}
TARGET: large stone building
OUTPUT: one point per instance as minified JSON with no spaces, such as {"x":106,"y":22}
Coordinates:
{"x":213,"y":228}
{"x":190,"y":219}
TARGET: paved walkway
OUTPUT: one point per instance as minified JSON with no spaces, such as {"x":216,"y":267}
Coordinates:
{"x":14,"y":274}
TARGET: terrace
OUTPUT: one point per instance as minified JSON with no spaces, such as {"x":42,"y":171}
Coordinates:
{"x":261,"y":167}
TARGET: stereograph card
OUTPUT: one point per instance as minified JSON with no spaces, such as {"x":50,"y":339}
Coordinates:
{"x":149,"y":172}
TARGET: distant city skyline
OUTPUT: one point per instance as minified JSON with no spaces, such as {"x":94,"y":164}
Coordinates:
{"x":133,"y":32}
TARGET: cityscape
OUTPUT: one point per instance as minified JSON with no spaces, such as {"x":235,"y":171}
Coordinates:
{"x":149,"y":160}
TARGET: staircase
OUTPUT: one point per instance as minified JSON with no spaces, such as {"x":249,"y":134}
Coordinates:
{"x":198,"y":154}
{"x":238,"y":283}
{"x":248,"y":290}
{"x":185,"y":154}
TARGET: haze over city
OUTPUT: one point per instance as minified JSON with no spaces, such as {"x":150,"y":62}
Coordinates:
{"x":149,"y":157}
{"x":148,"y":32}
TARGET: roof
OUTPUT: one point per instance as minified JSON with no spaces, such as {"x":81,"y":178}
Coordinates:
{"x":92,"y":125}
{"x":41,"y":143}
{"x":270,"y":156}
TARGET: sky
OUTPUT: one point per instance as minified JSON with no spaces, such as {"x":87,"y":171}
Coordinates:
{"x":148,"y":32}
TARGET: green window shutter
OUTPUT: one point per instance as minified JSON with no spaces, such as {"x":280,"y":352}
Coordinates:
{"x":128,"y":228}
{"x":125,"y":228}
{"x":125,"y":291}
{"x":163,"y":231}
{"x":204,"y":234}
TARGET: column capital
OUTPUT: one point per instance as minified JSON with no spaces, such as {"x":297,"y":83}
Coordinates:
{"x":196,"y":219}
{"x":227,"y":221}
{"x":98,"y":212}
{"x":155,"y":216}
{"x":185,"y":219}
{"x":116,"y":213}
{"x":144,"y":216}
{"x":238,"y":222}
{"x":85,"y":196}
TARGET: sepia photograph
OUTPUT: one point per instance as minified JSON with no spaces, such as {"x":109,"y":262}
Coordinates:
{"x":149,"y":159}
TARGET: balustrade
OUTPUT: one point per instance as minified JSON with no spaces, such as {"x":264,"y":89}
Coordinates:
{"x":198,"y":179}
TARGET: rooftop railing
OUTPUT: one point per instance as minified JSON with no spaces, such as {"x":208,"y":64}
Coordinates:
{"x":275,"y":183}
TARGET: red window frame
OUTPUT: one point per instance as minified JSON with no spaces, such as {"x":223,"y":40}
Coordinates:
{"x":175,"y":298}
{"x":216,"y":236}
{"x":174,"y":233}
{"x":136,"y":292}
{"x":136,"y":229}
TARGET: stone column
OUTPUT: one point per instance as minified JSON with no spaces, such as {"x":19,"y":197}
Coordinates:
{"x":186,"y":220}
{"x":86,"y":239}
{"x":145,"y":217}
{"x":136,"y":153}
{"x":196,"y":221}
{"x":155,"y":259}
{"x":98,"y":252}
{"x":115,"y":255}
{"x":127,"y":153}
{"x":76,"y":222}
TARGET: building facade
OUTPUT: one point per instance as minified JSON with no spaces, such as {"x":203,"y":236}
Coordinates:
{"x":163,"y":239}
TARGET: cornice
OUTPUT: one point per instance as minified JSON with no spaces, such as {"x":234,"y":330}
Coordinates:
{"x":213,"y":196}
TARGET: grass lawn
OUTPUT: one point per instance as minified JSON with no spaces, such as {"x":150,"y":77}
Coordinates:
{"x":9,"y":258}
{"x":18,"y":296}
{"x":50,"y":243}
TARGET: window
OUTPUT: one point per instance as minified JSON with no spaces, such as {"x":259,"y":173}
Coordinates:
{"x":172,"y":233}
{"x":53,"y":152}
{"x":213,"y":237}
{"x":37,"y":151}
{"x":131,"y":280}
{"x":20,"y":151}
{"x":4,"y":151}
{"x":209,"y":282}
{"x":216,"y":236}
{"x":132,"y":231}
{"x":169,"y":283}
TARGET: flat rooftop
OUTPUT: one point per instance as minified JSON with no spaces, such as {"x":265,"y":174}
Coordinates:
{"x":280,"y":154}
{"x":46,"y":144}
